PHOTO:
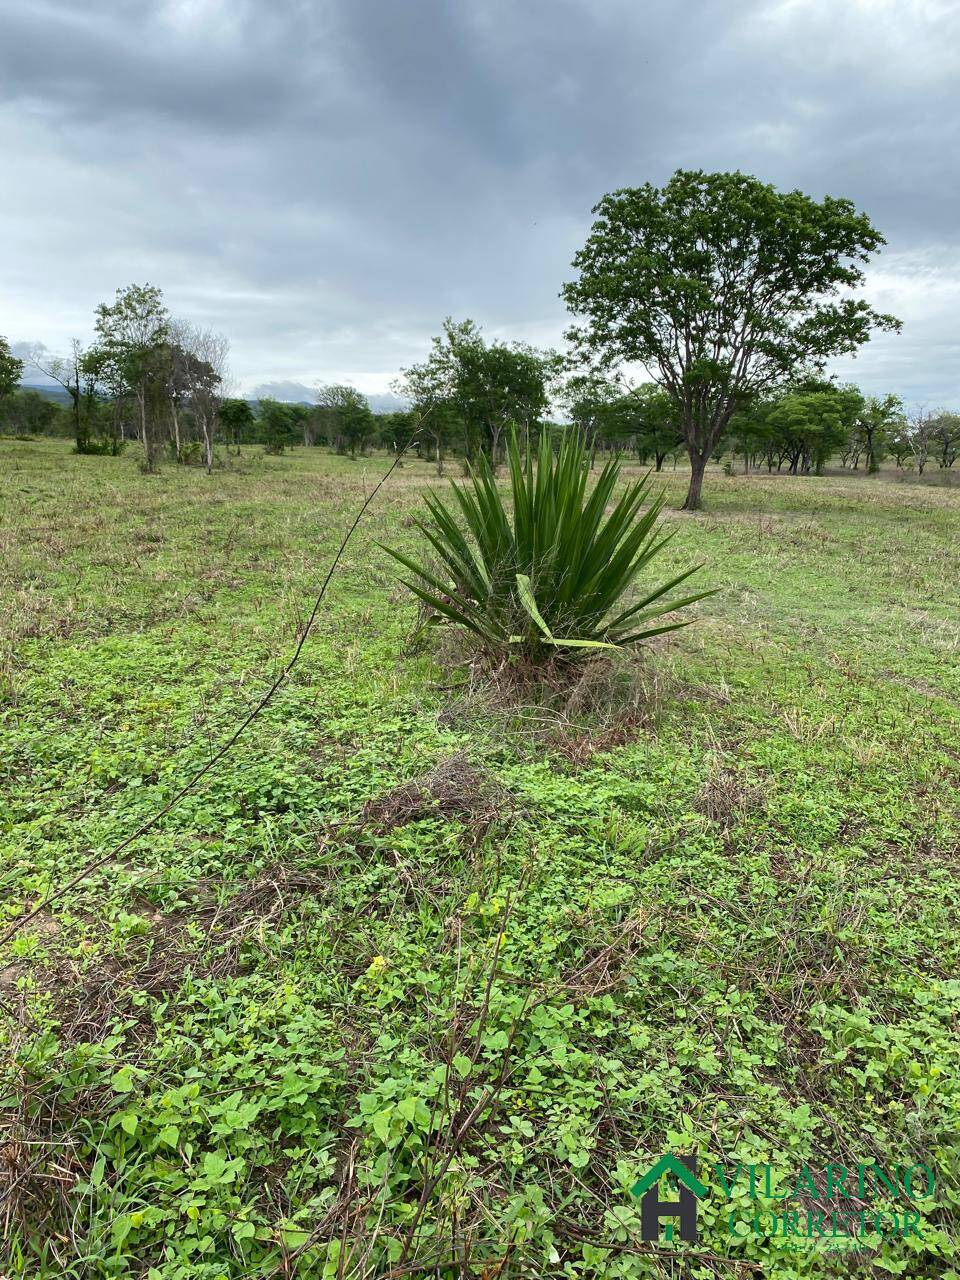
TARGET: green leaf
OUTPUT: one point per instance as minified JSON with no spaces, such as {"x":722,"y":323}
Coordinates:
{"x":407,"y":1107}
{"x":525,"y":592}
{"x":462,"y":1065}
{"x":122,"y":1081}
{"x":215,"y":1167}
{"x":121,"y":1228}
{"x":381,"y":1123}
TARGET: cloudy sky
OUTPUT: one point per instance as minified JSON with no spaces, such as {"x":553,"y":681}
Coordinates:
{"x":324,"y":180}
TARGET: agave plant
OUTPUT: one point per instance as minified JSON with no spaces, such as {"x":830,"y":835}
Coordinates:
{"x":550,"y":570}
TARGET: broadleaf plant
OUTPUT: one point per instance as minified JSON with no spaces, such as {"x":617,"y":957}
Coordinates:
{"x":548,"y":569}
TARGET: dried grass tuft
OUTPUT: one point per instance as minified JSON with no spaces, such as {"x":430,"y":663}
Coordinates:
{"x":726,"y":798}
{"x":452,"y":789}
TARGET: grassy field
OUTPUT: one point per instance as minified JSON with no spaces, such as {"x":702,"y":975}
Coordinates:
{"x":435,"y":964}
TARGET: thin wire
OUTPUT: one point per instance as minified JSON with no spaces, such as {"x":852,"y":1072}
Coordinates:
{"x":96,"y":863}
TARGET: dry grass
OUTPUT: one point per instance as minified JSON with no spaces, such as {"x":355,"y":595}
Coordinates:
{"x":454,"y":788}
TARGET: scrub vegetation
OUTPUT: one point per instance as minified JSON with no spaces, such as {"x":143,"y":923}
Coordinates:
{"x":438,"y":960}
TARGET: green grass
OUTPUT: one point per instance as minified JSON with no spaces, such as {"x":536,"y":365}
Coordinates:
{"x":326,"y":1020}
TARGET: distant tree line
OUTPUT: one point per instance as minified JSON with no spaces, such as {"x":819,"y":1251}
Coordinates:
{"x":468,"y":393}
{"x":797,"y":431}
{"x":151,"y":377}
{"x":169,"y":392}
{"x":146,"y":376}
{"x":731,"y":295}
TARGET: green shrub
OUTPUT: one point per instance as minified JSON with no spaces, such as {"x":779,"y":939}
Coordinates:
{"x":553,"y":577}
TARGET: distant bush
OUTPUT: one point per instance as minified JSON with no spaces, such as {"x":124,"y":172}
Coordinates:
{"x":191,"y":453}
{"x":549,"y":574}
{"x":101,"y":446}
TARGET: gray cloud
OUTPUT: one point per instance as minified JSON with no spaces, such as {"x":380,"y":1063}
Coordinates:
{"x":324,"y":182}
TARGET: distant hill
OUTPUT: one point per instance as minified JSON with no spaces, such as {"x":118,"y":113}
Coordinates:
{"x":298,"y":393}
{"x":48,"y":389}
{"x":289,"y":392}
{"x":387,"y":403}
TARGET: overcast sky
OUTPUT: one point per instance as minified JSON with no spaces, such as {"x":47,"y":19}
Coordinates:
{"x":324,"y":180}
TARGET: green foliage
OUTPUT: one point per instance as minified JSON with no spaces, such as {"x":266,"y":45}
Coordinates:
{"x":236,"y":418}
{"x":472,"y":391}
{"x":815,"y":420}
{"x":29,"y":413}
{"x":723,"y":288}
{"x":277,"y":425}
{"x":131,"y":358}
{"x":808,"y":424}
{"x":550,"y":574}
{"x":396,"y":429}
{"x":346,"y":417}
{"x":943,"y":429}
{"x":877,"y":423}
{"x":11,"y":368}
{"x":723,"y":921}
{"x":644,"y":420}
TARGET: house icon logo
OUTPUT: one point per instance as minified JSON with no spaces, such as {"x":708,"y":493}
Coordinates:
{"x":652,"y":1208}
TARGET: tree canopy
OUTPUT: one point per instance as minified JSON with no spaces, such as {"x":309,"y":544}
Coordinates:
{"x":476,"y":389}
{"x":722,"y":288}
{"x":11,"y":368}
{"x":346,"y":416}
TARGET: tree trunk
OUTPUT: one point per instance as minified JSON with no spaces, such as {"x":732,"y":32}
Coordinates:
{"x":176,"y":428}
{"x":873,"y":466}
{"x":147,"y":434}
{"x":208,"y":444}
{"x":81,"y":434}
{"x":495,"y":448}
{"x":698,"y":464}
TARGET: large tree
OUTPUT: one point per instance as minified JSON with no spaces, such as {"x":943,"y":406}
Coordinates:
{"x":347,"y":417}
{"x":878,"y":420}
{"x":483,"y":387}
{"x":431,"y":388}
{"x":200,"y":355}
{"x":132,"y":355}
{"x":723,"y":288}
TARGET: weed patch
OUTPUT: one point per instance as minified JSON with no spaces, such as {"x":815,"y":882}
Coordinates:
{"x":347,"y":1014}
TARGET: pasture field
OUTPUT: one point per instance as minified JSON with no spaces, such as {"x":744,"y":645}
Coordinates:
{"x":437,"y":962}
